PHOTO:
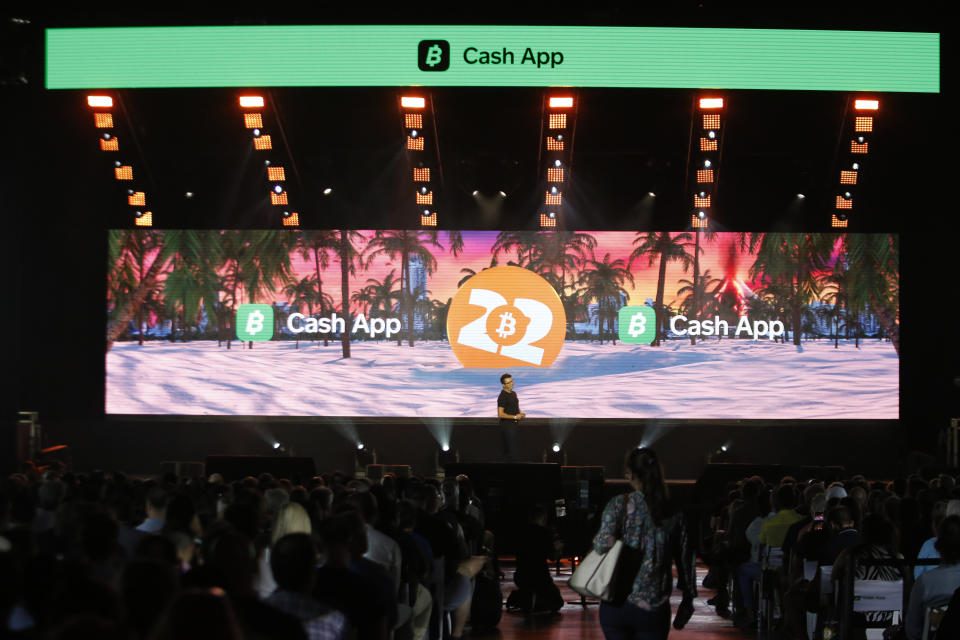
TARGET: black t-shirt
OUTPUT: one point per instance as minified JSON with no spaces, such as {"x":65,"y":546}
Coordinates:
{"x":509,"y":401}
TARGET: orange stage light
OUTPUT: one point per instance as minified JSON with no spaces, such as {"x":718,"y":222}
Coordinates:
{"x":278,"y":198}
{"x":251,"y":102}
{"x":848,"y":177}
{"x":711,"y":121}
{"x":425,"y":198}
{"x":863,"y":123}
{"x":253,"y":121}
{"x":413,"y":120}
{"x":124,"y":172}
{"x":704,"y":175}
{"x":262,"y":143}
{"x":711,"y":103}
{"x":292,"y":220}
{"x":109,"y":145}
{"x":547,"y":221}
{"x":857,"y":147}
{"x":706,"y":144}
{"x":103,"y":120}
{"x":412,"y":102}
{"x":866,"y":105}
{"x":844,"y":203}
{"x":554,"y":174}
{"x":701,"y":203}
{"x":137,"y":199}
{"x":428,"y":221}
{"x":558,"y":121}
{"x":421,"y":174}
{"x":698,"y":223}
{"x":415,"y":144}
{"x":144,"y":220}
{"x":276,"y":174}
{"x":553,"y":198}
{"x":553,"y":144}
{"x":561,"y":102}
{"x":837,"y":223}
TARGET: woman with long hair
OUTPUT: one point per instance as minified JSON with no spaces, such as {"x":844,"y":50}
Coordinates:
{"x":655,"y":535}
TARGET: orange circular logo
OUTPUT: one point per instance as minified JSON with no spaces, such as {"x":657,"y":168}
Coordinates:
{"x":506,"y":317}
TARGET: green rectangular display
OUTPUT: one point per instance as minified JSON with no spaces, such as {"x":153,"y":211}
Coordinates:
{"x":503,"y":56}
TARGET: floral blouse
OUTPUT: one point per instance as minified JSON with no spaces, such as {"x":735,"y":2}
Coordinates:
{"x":659,"y":546}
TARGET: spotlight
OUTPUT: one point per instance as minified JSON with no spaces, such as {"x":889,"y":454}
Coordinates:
{"x":445,"y":448}
{"x":855,"y":166}
{"x":107,"y":136}
{"x":703,"y":194}
{"x":711,"y":103}
{"x":100,"y":101}
{"x":410,"y":102}
{"x":276,"y":445}
{"x":188,"y":194}
{"x":847,"y":195}
{"x":251,"y":101}
{"x":501,"y":194}
{"x":801,"y":196}
{"x":557,"y":163}
{"x":475,"y":193}
{"x":413,"y":133}
{"x":256,"y":133}
{"x":560,"y":103}
{"x":701,"y":214}
{"x":277,"y":188}
{"x":559,"y":138}
{"x":866,"y":105}
{"x":424,"y":190}
{"x":360,"y":446}
{"x":712,"y":135}
{"x":651,"y":194}
{"x":724,"y":448}
{"x":327,"y":191}
{"x":556,"y":447}
{"x":552,"y":215}
{"x":860,"y":139}
{"x":707,"y":163}
{"x":553,"y":190}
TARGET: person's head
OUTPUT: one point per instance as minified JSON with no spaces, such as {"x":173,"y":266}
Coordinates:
{"x":646,"y":475}
{"x":366,"y":504}
{"x":840,"y":517}
{"x":232,"y":559}
{"x":507,"y":381}
{"x":198,"y":613}
{"x":948,"y":540}
{"x":293,"y":518}
{"x":878,"y":531}
{"x":293,"y":560}
{"x":343,"y":537}
{"x":156,"y":502}
{"x":275,"y":500}
{"x":786,"y":497}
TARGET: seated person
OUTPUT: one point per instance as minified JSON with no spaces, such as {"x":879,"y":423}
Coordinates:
{"x":935,"y":588}
{"x":536,"y":590}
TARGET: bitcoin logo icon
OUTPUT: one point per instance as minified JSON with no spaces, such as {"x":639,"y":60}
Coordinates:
{"x":636,"y":325}
{"x":506,"y":316}
{"x":434,"y":55}
{"x":254,"y":322}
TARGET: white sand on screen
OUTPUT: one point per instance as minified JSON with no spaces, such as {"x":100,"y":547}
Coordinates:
{"x":727,"y":379}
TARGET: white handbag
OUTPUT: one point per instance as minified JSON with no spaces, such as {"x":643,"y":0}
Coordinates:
{"x":596,"y":575}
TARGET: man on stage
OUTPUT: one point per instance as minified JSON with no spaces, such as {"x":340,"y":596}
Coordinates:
{"x":508,"y":410}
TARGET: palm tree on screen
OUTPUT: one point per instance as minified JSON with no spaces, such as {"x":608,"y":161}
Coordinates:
{"x":318,"y":245}
{"x":667,"y":248}
{"x":348,"y":256}
{"x":602,"y":281}
{"x":695,"y":296}
{"x":304,"y":292}
{"x":873,"y":261}
{"x":379,"y":297}
{"x":404,"y":244}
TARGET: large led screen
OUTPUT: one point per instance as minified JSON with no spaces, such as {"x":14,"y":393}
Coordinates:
{"x":624,"y":325}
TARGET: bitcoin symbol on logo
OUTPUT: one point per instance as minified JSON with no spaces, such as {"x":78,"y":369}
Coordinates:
{"x":508,"y":325}
{"x":506,"y":316}
{"x":638,"y":324}
{"x":255,"y":322}
{"x":434,"y":55}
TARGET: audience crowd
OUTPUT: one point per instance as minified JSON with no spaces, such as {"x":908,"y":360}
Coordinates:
{"x":811,"y":539}
{"x":330,"y":557}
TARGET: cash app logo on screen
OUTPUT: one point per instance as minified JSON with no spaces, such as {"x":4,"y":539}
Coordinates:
{"x":254,"y":322}
{"x":637,"y":325}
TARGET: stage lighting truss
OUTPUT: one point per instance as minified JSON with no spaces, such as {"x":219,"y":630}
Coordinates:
{"x":704,"y":154}
{"x":105,"y":124}
{"x":558,"y":122}
{"x":416,"y":115}
{"x":859,"y":123}
{"x":252,"y":109}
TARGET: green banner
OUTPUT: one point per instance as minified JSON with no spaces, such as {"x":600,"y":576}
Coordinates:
{"x":501,"y":56}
